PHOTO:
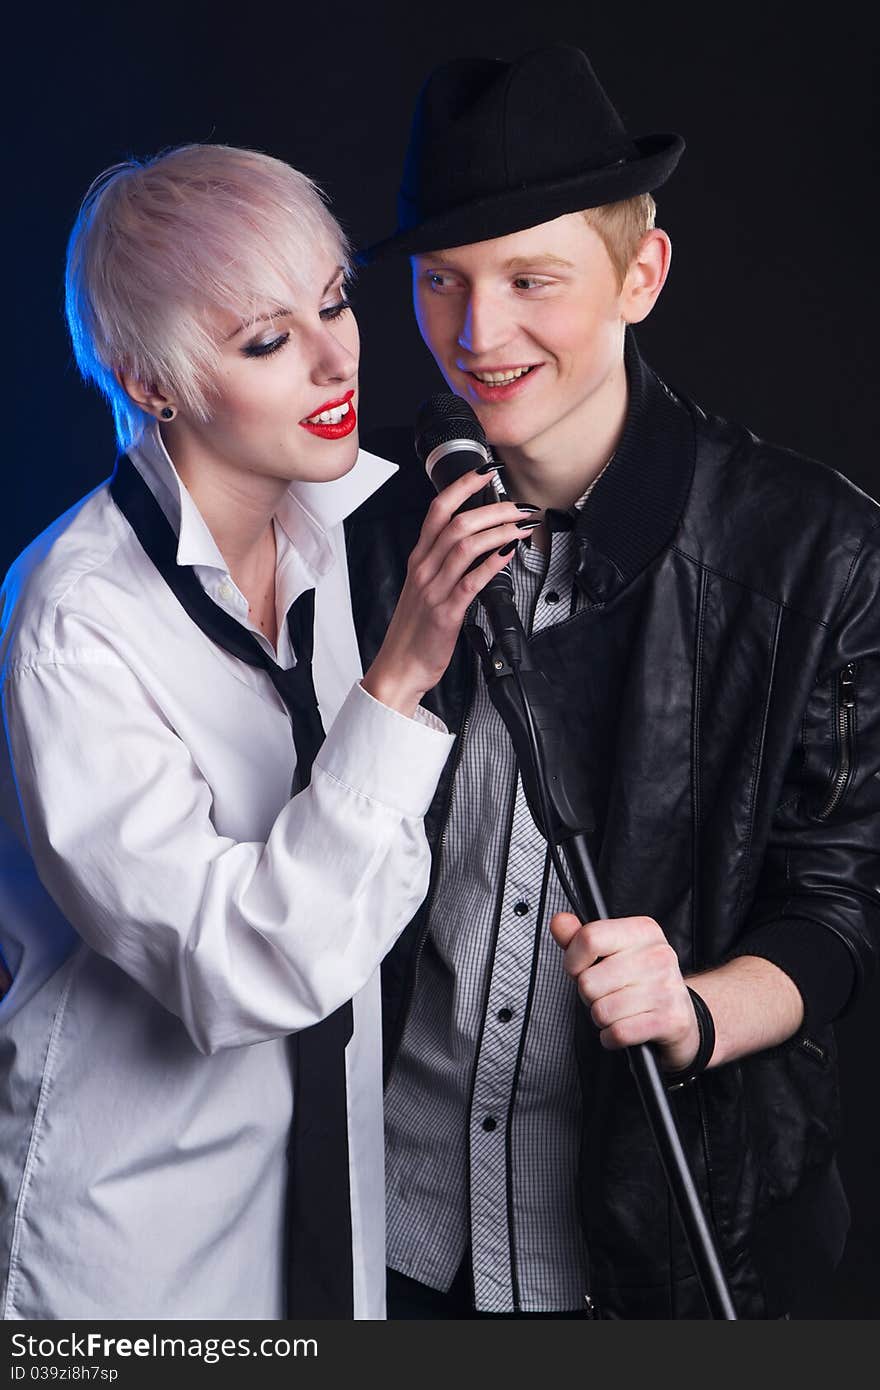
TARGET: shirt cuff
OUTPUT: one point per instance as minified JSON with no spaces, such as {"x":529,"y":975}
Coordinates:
{"x":814,"y":957}
{"x":385,"y":756}
{"x":428,"y":720}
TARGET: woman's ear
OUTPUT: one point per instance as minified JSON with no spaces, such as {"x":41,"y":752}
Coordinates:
{"x":646,"y":276}
{"x":149,"y":398}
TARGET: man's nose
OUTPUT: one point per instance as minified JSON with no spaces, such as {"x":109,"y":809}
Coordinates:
{"x":484,"y":327}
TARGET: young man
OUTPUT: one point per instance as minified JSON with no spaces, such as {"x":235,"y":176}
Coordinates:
{"x":705,"y":605}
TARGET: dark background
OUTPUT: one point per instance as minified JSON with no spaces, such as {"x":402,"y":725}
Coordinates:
{"x":767,"y":316}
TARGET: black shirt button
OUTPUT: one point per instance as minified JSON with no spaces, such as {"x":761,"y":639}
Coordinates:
{"x":505,"y":1015}
{"x":551,"y":596}
{"x":489,"y":1124}
{"x":521,"y":908}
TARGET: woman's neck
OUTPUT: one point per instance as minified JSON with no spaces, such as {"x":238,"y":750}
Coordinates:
{"x":237,"y":507}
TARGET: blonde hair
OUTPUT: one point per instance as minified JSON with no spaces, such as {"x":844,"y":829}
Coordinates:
{"x":160,"y":243}
{"x":621,"y":227}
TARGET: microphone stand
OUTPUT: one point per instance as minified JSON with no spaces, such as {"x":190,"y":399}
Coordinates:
{"x":525,"y":700}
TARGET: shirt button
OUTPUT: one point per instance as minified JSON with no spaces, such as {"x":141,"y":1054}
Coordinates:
{"x":489,"y":1124}
{"x":225,"y":590}
{"x":504,"y":1015}
{"x":521,"y":908}
{"x":551,"y":596}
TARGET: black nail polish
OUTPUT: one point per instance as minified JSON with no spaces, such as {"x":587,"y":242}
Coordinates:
{"x":525,"y":525}
{"x":526,"y":507}
{"x":506,"y":549}
{"x":487,"y":468}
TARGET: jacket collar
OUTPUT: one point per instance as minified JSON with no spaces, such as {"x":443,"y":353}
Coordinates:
{"x":634,"y":509}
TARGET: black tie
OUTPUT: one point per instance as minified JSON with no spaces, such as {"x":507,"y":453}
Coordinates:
{"x":320,"y":1282}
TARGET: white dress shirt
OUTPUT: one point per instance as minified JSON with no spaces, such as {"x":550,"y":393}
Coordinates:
{"x":168,"y":914}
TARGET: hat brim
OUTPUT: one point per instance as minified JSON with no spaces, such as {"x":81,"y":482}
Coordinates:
{"x":518,"y":208}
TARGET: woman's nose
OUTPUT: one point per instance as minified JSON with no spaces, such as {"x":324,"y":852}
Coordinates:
{"x":335,"y":359}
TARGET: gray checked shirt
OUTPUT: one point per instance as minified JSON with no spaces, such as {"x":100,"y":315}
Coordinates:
{"x":483,"y":1109}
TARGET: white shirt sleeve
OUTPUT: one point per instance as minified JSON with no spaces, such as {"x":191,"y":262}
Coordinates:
{"x":243,"y":941}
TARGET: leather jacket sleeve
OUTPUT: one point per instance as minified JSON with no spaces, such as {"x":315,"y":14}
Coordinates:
{"x":816,"y":913}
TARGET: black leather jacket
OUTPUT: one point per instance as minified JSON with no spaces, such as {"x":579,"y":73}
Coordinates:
{"x":722,"y":689}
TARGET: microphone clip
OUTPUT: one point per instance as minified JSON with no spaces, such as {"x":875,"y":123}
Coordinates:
{"x":493,"y":660}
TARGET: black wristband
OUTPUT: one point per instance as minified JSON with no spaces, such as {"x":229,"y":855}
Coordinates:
{"x":674,"y":1080}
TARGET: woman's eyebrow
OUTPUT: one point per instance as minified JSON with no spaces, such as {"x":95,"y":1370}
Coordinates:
{"x":280,"y":313}
{"x":261,"y":318}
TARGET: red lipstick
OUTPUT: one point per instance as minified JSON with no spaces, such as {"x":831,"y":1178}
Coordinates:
{"x":345,"y":425}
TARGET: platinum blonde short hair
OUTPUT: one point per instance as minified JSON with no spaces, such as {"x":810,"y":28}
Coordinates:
{"x":158,"y":244}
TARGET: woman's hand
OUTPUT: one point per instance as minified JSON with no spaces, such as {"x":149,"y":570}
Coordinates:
{"x":439,"y":588}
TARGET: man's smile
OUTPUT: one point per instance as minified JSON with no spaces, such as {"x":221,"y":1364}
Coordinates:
{"x":500,"y":383}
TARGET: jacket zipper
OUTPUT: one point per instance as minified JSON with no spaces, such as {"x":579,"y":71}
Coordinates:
{"x":845,"y":724}
{"x":591,"y":1308}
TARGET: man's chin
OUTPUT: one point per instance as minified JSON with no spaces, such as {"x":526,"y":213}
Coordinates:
{"x":506,"y":433}
{"x":506,"y":424}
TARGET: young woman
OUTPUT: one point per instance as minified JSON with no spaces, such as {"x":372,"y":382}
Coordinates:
{"x":169,"y":911}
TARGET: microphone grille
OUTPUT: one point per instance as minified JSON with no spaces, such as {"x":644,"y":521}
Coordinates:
{"x":442,"y":417}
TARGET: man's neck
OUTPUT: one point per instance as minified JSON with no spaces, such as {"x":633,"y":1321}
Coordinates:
{"x":556,"y":469}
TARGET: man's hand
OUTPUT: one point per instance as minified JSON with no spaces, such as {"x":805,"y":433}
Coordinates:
{"x":628,"y":975}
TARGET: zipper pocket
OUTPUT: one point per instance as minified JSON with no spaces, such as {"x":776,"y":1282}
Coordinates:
{"x":814,"y":1051}
{"x":845,"y":703}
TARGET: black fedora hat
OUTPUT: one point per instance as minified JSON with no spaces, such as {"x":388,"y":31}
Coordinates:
{"x":496,"y":147}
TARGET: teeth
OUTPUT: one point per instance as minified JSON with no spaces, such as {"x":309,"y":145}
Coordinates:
{"x":501,"y":378}
{"x":329,"y":417}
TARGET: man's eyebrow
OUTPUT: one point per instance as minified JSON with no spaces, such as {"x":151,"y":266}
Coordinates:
{"x":543,"y":258}
{"x":533,"y":262}
{"x":280,"y":313}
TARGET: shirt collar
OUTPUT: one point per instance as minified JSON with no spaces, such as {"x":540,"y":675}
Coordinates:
{"x":307,"y":513}
{"x":555,"y":519}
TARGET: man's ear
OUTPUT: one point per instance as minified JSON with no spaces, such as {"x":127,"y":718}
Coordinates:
{"x":149,"y":398}
{"x":646,"y":276}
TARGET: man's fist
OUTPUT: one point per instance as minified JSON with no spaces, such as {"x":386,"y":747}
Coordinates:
{"x":628,"y":975}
